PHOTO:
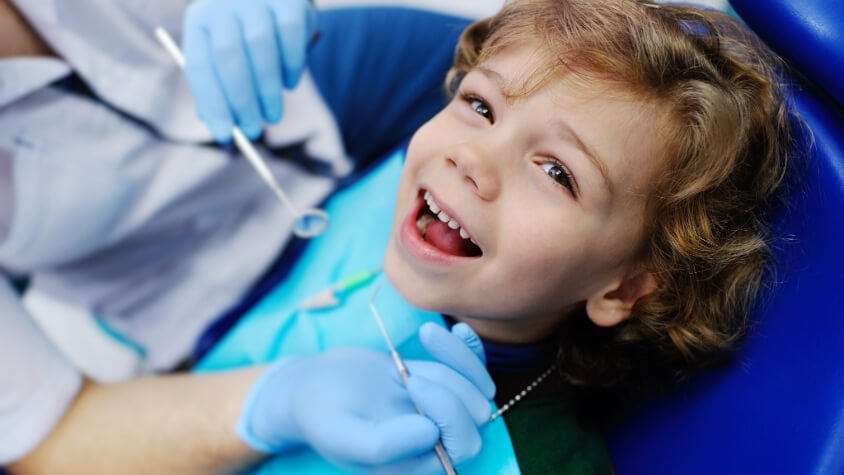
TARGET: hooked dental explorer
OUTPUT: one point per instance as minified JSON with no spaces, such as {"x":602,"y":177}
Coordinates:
{"x":405,"y":374}
{"x":306,"y":224}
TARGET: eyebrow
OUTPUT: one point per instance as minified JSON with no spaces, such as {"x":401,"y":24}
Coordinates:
{"x":563,"y":129}
{"x":494,"y":75}
{"x":498,"y":79}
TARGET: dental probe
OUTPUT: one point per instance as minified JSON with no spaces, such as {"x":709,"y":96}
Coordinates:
{"x":307,"y":224}
{"x":405,"y":374}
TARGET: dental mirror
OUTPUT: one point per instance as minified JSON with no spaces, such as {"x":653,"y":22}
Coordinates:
{"x":306,"y":224}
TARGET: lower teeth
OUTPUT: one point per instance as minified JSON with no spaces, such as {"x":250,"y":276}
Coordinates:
{"x":422,"y":223}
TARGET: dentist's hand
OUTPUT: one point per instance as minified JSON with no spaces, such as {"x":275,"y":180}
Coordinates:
{"x":238,"y":55}
{"x":350,"y":406}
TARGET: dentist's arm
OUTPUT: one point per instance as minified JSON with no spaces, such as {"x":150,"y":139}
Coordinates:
{"x":178,"y":424}
{"x":51,"y":422}
{"x":348,"y":404}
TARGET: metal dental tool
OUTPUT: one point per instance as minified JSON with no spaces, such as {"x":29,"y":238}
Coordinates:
{"x":306,"y":224}
{"x":405,"y":374}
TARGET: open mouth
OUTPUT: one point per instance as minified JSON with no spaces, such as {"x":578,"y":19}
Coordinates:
{"x":440,"y":230}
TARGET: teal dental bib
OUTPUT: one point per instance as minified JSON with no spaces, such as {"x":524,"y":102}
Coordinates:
{"x":361,"y":219}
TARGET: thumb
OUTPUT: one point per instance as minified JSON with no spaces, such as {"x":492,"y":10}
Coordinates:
{"x":455,"y":353}
{"x":465,"y":333}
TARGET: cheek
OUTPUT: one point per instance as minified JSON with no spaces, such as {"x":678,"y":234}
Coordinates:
{"x":419,"y":151}
{"x":555,"y":251}
{"x":431,"y":136}
{"x":540,"y":251}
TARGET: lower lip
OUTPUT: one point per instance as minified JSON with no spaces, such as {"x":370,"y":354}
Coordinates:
{"x":413,"y":243}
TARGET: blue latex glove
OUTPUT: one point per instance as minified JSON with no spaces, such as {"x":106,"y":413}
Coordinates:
{"x":350,"y":406}
{"x":238,"y":54}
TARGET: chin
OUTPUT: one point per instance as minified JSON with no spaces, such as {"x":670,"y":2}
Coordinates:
{"x":414,"y":289}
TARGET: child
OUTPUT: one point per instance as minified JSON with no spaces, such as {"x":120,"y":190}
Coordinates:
{"x":593,"y":202}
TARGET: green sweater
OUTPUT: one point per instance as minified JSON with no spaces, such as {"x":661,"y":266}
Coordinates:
{"x":549,"y":439}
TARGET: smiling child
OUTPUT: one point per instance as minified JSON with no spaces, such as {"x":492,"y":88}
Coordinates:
{"x":593,"y":202}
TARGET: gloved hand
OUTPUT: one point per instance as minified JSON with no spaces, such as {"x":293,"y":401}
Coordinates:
{"x":237,"y":56}
{"x":350,"y":406}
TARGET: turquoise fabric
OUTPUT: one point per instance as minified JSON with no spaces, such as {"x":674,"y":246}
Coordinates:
{"x":361,"y":219}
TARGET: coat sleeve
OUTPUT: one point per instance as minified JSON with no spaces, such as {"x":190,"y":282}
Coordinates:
{"x":37,"y":384}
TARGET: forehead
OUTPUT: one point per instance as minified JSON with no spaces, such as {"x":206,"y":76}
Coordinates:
{"x":524,"y":70}
{"x":529,"y":64}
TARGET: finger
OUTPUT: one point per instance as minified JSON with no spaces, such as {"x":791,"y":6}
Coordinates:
{"x":264,"y":57}
{"x":475,"y":402}
{"x":347,"y":439}
{"x":465,"y":333}
{"x":232,"y":66}
{"x":293,"y":23}
{"x":458,"y":431}
{"x":211,"y":105}
{"x":451,"y":351}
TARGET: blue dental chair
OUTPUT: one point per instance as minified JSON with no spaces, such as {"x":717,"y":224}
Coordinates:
{"x":779,"y":409}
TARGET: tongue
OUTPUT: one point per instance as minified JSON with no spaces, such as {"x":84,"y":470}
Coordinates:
{"x":448,"y":240}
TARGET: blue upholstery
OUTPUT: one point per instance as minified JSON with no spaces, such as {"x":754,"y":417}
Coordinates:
{"x":808,"y":33}
{"x":780,"y":408}
{"x":381,"y":70}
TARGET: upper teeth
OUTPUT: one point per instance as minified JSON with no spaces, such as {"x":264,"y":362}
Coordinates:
{"x":443,"y":216}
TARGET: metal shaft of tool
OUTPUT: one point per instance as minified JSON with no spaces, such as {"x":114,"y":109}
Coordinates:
{"x":439,"y":449}
{"x":241,"y":142}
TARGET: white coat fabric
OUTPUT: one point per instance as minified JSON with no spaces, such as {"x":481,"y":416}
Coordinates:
{"x":120,"y":206}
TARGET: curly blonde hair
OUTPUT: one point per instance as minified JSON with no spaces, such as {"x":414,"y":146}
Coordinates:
{"x":728,"y":145}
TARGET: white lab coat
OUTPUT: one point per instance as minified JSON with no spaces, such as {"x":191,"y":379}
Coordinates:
{"x":120,"y":208}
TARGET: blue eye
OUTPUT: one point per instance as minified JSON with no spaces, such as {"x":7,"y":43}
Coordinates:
{"x":559,"y":174}
{"x":479,"y":106}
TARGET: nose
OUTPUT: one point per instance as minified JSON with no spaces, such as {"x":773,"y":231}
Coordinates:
{"x":478,"y":169}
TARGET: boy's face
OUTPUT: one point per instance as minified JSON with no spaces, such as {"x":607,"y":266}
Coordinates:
{"x":550,"y":188}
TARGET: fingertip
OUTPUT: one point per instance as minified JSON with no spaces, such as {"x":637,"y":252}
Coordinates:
{"x":429,"y":330}
{"x":293,"y":35}
{"x":466,"y":334}
{"x":458,"y":431}
{"x":451,"y":350}
{"x":272,"y":110}
{"x":272,"y":103}
{"x":252,"y":130}
{"x":293,"y":77}
{"x":481,"y":413}
{"x":222,"y":133}
{"x":464,"y":331}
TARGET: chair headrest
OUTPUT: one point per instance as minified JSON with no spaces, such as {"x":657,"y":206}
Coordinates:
{"x":809,"y":34}
{"x":779,"y":407}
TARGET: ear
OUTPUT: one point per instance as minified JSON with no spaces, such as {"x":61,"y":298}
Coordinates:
{"x":614,"y":303}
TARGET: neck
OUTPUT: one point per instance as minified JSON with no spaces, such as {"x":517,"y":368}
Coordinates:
{"x":509,"y":357}
{"x":17,"y":37}
{"x":507,"y":332}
